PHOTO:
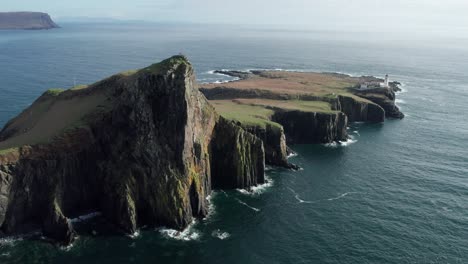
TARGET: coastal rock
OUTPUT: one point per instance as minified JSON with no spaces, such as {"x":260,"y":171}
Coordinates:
{"x":26,"y":20}
{"x":359,"y":111}
{"x":241,"y":158}
{"x":149,"y":153}
{"x":312,"y":128}
{"x":274,"y":141}
{"x":385,"y":97}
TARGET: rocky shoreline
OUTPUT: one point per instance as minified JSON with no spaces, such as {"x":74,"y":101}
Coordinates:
{"x":299,"y":126}
{"x":146,"y":147}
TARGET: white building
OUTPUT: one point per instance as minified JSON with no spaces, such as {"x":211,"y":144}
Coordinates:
{"x":373,"y":85}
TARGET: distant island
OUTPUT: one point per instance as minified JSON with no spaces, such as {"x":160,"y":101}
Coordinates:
{"x":26,"y":20}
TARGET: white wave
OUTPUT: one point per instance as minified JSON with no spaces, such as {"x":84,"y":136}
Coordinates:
{"x":259,"y":189}
{"x":9,"y":241}
{"x":227,"y":81}
{"x":67,"y":247}
{"x":340,"y":196}
{"x":400,"y":101}
{"x":291,"y":155}
{"x":296,"y":195}
{"x":298,"y":198}
{"x":211,"y":207}
{"x":86,"y":217}
{"x":402,"y":89}
{"x":221,"y":235}
{"x":251,"y":207}
{"x":136,"y":234}
{"x":348,"y":142}
{"x":188,"y":234}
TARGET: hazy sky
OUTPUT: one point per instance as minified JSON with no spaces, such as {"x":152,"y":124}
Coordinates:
{"x":316,"y":14}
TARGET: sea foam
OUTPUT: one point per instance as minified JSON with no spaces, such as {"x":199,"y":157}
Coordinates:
{"x":188,"y":234}
{"x":259,"y":189}
{"x":219,"y":234}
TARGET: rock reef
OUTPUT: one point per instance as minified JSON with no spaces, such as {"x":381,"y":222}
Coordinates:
{"x":148,"y":151}
{"x":26,"y":20}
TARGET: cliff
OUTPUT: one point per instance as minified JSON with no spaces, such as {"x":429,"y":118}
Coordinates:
{"x":311,"y":127}
{"x":278,"y":122}
{"x":26,"y":20}
{"x":143,"y":147}
{"x":384,"y":97}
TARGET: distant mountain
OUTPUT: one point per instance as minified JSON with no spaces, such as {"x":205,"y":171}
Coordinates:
{"x":26,"y":20}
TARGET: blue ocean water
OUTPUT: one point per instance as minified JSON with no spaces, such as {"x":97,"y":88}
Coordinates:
{"x":397,"y":193}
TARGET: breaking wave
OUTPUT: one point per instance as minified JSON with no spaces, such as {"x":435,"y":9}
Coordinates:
{"x":188,"y":234}
{"x":211,"y":206}
{"x":245,"y":204}
{"x":259,"y":189}
{"x":219,"y":234}
{"x":349,"y":141}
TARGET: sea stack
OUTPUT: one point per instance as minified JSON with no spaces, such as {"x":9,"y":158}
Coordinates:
{"x":26,"y":20}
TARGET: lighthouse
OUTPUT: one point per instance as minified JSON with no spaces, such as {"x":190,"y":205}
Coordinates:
{"x":386,"y":81}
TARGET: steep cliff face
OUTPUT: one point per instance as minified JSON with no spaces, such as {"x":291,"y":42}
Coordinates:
{"x":359,"y":111}
{"x":26,"y":20}
{"x":312,"y":128}
{"x":384,"y":97}
{"x":241,"y":157}
{"x":274,"y":141}
{"x":149,"y":153}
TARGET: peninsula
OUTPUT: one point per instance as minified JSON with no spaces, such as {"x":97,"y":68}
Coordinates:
{"x":283,"y":107}
{"x":146,"y":147}
{"x":26,"y":20}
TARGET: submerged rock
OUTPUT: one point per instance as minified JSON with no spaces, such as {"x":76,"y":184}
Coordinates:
{"x":145,"y":148}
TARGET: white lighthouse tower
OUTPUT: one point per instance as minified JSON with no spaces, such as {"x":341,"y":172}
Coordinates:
{"x":386,"y":81}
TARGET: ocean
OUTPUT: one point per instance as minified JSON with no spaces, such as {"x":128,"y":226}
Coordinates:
{"x":396,"y":193}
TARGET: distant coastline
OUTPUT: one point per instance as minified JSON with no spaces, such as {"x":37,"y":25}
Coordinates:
{"x":26,"y":21}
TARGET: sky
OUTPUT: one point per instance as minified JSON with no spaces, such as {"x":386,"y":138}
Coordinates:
{"x":375,"y":15}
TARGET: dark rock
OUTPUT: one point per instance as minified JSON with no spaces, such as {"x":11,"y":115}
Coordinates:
{"x":385,"y":97}
{"x":241,"y":157}
{"x":274,"y":142}
{"x":359,"y":111}
{"x":312,"y":128}
{"x":151,"y":158}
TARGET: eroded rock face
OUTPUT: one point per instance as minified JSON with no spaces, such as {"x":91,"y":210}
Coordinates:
{"x":384,"y":97}
{"x":151,"y":159}
{"x":241,"y":155}
{"x":274,"y":142}
{"x":358,"y":111}
{"x":312,"y":128}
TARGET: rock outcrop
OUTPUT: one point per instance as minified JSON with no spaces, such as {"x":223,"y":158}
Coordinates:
{"x":274,"y":141}
{"x":312,"y":128}
{"x":149,"y":153}
{"x":384,"y":97}
{"x":360,"y":111}
{"x":26,"y":20}
{"x":241,"y":157}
